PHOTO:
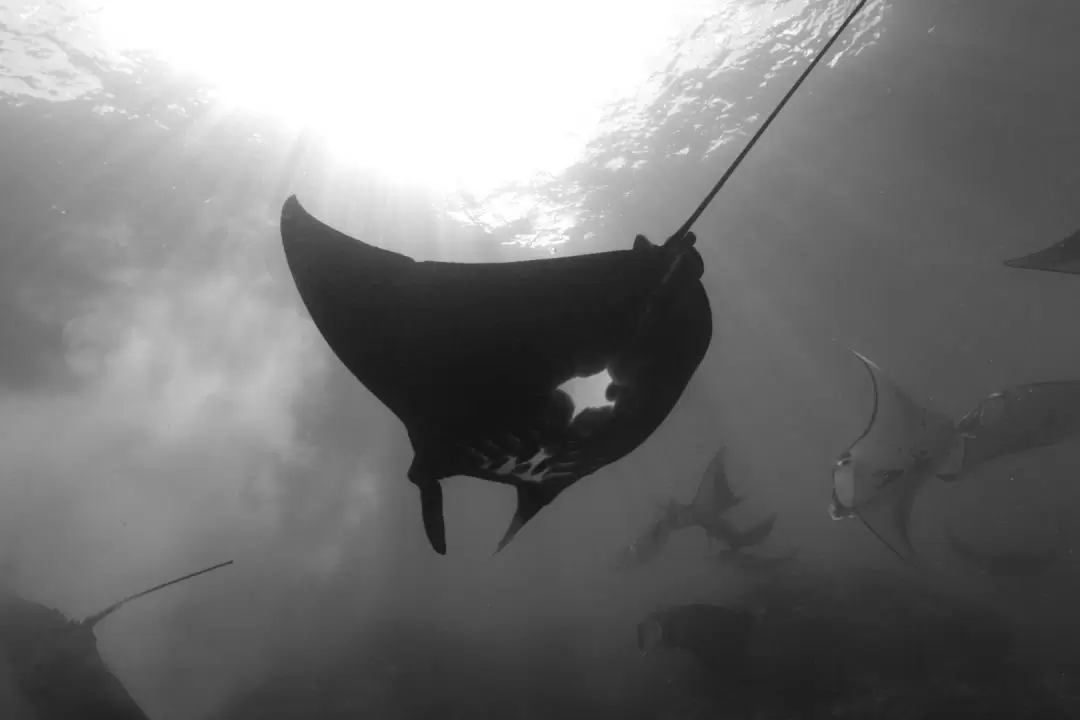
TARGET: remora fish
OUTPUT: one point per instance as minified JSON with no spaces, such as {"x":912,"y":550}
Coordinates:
{"x":471,"y":356}
{"x":1062,"y":257}
{"x":56,"y":664}
{"x":878,"y":478}
{"x":1022,"y":418}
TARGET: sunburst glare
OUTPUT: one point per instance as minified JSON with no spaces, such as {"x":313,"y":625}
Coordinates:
{"x":469,"y":94}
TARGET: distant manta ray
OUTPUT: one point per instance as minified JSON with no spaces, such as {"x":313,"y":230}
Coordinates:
{"x":56,"y":663}
{"x":1061,"y":257}
{"x":714,"y":494}
{"x":712,"y":501}
{"x":904,"y":445}
{"x":471,"y":356}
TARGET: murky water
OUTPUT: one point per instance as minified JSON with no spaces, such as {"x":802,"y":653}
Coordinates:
{"x":166,"y":402}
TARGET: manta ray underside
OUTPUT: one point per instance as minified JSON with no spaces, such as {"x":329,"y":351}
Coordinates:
{"x":470,"y":356}
{"x":1062,"y":257}
{"x":879,"y":477}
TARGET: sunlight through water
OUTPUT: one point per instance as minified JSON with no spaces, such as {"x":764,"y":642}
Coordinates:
{"x":588,"y":392}
{"x":468,"y":94}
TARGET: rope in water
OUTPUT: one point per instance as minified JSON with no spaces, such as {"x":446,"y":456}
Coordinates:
{"x":99,"y":616}
{"x":768,"y":121}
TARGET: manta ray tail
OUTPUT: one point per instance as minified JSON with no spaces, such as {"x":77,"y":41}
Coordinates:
{"x":431,"y":509}
{"x":530,"y":500}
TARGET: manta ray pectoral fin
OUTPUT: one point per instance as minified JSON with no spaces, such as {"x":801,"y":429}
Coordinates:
{"x":530,"y":500}
{"x":948,"y":477}
{"x":431,"y":507}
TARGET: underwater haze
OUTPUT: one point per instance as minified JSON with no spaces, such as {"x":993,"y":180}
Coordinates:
{"x":167,"y":402}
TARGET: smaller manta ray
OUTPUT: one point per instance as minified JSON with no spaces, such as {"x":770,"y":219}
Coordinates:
{"x":471,"y":357}
{"x":56,"y":664}
{"x":1022,"y":418}
{"x":712,"y":501}
{"x":1012,"y":563}
{"x":714,"y":494}
{"x":878,"y":478}
{"x":1062,"y":257}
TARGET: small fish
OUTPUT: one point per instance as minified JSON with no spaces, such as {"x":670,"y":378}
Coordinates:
{"x":55,"y":661}
{"x":471,"y":357}
{"x":1062,"y":257}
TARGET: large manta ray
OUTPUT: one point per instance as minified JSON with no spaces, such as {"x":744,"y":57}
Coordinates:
{"x":55,"y":663}
{"x":471,"y":356}
{"x":1062,"y":257}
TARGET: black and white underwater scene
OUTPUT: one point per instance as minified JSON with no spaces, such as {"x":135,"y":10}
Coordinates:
{"x":599,"y":359}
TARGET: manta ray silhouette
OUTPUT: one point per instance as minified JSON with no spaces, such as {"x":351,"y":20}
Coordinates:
{"x":470,"y":356}
{"x":55,"y":661}
{"x":1062,"y":257}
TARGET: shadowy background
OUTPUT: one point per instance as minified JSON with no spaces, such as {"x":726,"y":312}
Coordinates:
{"x":165,"y":402}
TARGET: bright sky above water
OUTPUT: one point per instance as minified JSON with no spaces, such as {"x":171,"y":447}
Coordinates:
{"x":466,"y":94}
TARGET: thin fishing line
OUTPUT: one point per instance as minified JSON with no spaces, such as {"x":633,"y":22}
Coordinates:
{"x":768,"y":121}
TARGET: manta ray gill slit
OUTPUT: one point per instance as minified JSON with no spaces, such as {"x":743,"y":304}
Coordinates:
{"x":589,"y":391}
